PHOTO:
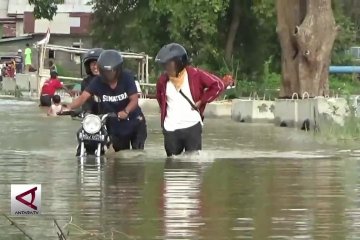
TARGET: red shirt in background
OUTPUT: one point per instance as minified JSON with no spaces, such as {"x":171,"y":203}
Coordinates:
{"x":10,"y":71}
{"x":50,"y":86}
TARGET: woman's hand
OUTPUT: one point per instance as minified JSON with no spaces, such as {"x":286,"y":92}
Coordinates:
{"x":228,"y":80}
{"x":123,"y":115}
{"x":198,"y":104}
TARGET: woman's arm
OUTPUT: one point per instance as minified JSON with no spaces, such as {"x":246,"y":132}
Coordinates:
{"x":214,"y":86}
{"x":78,"y":102}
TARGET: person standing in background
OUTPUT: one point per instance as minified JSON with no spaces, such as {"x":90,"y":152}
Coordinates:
{"x":52,"y":66}
{"x":10,"y":69}
{"x":28,"y":58}
{"x":19,"y":62}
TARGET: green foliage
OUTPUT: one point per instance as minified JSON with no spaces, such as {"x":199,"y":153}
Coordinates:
{"x":345,"y":38}
{"x":344,"y":84}
{"x":348,"y":133}
{"x":129,"y":25}
{"x":202,"y":26}
{"x":270,"y":78}
{"x":45,"y":8}
{"x":63,"y":72}
{"x":232,"y":67}
{"x":195,"y":27}
{"x":266,"y":87}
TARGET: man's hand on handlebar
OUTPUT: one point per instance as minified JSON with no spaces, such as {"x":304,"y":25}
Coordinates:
{"x":72,"y":113}
{"x":65,"y":108}
{"x":65,"y":113}
{"x":123,"y":115}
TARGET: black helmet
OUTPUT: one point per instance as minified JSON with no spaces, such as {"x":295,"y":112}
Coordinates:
{"x":173,"y":52}
{"x":110,"y":60}
{"x":89,"y":56}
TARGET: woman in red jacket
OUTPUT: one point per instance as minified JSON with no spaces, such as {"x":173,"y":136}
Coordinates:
{"x":183,"y":92}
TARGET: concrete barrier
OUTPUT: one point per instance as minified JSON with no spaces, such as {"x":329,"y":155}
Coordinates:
{"x":245,"y":110}
{"x":27,"y":83}
{"x":218,"y":109}
{"x":33,"y":81}
{"x":286,"y":112}
{"x":314,"y":112}
{"x":215,"y":109}
{"x":23,"y":81}
{"x":8,"y":84}
{"x":310,"y":113}
{"x":355,"y":103}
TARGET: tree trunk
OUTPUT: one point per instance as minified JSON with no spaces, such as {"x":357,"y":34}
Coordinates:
{"x":307,"y":31}
{"x":235,"y":22}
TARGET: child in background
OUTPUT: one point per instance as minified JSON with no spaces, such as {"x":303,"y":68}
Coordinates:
{"x":55,"y":106}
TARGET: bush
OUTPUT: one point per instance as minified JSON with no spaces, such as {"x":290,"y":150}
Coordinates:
{"x":62,"y":72}
{"x":349,"y":133}
{"x":344,"y":84}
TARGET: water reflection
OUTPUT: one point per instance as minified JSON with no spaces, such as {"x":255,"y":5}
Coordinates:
{"x":252,"y":182}
{"x":90,"y":185}
{"x":181,"y":196}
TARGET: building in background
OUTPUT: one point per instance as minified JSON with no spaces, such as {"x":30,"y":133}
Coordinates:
{"x":70,"y":27}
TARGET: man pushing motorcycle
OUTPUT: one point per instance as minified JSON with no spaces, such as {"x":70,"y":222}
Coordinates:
{"x":117,"y":93}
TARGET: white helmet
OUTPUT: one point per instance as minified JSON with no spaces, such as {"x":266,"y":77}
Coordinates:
{"x":19,"y":51}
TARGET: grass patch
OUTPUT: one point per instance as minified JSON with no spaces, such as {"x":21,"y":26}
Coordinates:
{"x":348,"y":133}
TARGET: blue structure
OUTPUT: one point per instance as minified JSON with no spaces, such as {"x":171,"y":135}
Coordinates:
{"x":344,"y":69}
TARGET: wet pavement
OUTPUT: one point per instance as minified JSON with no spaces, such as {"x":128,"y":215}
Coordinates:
{"x":252,"y":181}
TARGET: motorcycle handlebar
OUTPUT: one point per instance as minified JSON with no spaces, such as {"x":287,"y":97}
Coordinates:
{"x":112,"y":115}
{"x":71,"y":113}
{"x":77,"y":113}
{"x":109,"y":115}
{"x":65,"y":113}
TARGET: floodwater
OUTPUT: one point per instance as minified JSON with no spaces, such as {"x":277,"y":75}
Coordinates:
{"x":251,"y":182}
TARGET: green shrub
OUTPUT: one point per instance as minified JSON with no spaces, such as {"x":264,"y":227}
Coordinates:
{"x":344,"y":84}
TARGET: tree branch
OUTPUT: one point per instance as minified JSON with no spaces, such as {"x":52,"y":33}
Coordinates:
{"x":17,"y":226}
{"x":61,"y":235}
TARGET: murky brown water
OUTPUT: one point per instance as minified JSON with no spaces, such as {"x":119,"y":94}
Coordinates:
{"x":250,"y":182}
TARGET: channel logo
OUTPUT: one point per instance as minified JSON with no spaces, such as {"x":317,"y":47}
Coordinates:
{"x":25,"y":199}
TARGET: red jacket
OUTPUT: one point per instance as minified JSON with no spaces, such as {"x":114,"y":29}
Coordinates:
{"x":50,"y":86}
{"x":203,"y":86}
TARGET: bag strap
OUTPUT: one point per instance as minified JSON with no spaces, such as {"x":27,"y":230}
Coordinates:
{"x":189,"y":101}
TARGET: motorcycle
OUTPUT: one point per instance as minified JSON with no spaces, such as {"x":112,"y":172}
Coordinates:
{"x":92,"y":136}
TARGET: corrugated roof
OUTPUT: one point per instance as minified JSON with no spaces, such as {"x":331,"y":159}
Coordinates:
{"x":19,"y":7}
{"x":15,"y":38}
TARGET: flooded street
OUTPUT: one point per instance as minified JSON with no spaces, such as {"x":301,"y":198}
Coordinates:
{"x":251,"y":181}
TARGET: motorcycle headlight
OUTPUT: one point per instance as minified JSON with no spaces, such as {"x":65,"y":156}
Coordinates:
{"x":91,"y":124}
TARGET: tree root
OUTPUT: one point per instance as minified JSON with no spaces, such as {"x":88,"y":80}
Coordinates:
{"x":103,"y":236}
{"x":106,"y":235}
{"x":12,"y":222}
{"x":60,"y":234}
